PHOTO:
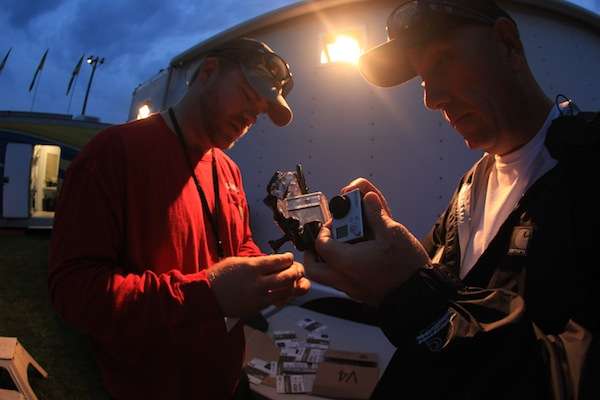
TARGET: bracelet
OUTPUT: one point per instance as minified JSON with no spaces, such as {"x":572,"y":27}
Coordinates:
{"x":211,"y":277}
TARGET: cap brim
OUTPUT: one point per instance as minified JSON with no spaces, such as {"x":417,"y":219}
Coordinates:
{"x":279,"y":110}
{"x":386,"y":65}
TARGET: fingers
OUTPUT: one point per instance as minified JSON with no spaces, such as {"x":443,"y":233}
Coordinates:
{"x":273,"y":263}
{"x":365,"y":186}
{"x":322,"y":272}
{"x":375,"y":214}
{"x":279,"y":297}
{"x":301,"y":287}
{"x":284,"y":279}
{"x":327,"y":247}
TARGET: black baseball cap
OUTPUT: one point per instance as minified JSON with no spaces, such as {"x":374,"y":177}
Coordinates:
{"x":266,"y":72}
{"x":414,"y":22}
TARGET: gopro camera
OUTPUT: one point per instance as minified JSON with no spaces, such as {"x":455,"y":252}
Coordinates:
{"x":298,"y":213}
{"x":348,"y":223}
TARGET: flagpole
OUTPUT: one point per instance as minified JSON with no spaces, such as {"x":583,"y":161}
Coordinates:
{"x":3,"y":63}
{"x":72,"y":92}
{"x":37,"y":84}
{"x":93,"y":61}
{"x":73,"y":81}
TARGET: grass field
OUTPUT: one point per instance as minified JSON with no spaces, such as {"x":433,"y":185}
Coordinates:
{"x":26,"y":313}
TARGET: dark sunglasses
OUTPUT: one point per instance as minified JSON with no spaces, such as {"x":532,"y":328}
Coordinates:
{"x":269,"y":63}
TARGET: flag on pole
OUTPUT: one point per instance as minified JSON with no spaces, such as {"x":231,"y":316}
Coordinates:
{"x":3,"y":63}
{"x":39,"y":68}
{"x":75,"y":73}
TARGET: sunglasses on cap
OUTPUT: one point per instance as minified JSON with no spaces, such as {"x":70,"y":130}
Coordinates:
{"x":428,"y":16}
{"x":267,"y":64}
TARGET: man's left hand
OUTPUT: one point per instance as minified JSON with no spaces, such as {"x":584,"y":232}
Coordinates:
{"x":367,"y":270}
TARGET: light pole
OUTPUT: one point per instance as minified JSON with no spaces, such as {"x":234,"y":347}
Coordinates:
{"x":93,"y":61}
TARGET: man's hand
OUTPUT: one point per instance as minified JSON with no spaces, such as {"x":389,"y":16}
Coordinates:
{"x":245,"y":285}
{"x":365,"y":186}
{"x":368,"y":270}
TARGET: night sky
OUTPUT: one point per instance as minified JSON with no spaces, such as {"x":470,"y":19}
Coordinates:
{"x":136,"y":38}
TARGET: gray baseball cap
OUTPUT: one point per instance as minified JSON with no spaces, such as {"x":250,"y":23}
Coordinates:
{"x":414,"y":22}
{"x":266,"y":72}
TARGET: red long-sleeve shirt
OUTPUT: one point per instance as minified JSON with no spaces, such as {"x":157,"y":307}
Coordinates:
{"x":128,"y":261}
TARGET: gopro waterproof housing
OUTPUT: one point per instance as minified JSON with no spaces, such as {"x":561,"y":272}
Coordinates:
{"x":298,"y":213}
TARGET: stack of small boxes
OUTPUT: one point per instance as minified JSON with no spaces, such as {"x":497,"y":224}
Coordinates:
{"x":298,"y":362}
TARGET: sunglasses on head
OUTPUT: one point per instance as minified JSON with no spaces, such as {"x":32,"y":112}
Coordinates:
{"x":424,"y":15}
{"x":270,"y":64}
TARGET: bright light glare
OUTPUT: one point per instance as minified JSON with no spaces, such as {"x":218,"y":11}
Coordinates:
{"x":143,"y":112}
{"x":344,"y":49}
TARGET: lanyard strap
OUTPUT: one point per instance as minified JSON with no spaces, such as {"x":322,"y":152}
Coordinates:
{"x":213,"y":217}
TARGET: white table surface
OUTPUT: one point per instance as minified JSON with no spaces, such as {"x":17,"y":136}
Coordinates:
{"x":343,"y":335}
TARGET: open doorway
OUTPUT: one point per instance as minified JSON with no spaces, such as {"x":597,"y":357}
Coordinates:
{"x":45,"y":163}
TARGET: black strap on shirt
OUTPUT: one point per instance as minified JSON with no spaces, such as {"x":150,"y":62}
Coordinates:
{"x":213,"y":218}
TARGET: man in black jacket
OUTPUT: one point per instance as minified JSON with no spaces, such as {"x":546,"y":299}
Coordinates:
{"x":497,"y":301}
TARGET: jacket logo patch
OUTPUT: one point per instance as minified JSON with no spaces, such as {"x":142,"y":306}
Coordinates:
{"x":519,"y":241}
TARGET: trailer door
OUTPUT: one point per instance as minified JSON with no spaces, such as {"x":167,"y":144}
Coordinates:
{"x":15,"y":188}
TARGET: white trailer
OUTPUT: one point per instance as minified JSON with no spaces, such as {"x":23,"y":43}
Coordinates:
{"x":345,"y":128}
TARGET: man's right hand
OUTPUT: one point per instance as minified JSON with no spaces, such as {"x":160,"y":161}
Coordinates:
{"x":368,"y":270}
{"x":245,"y":285}
{"x":365,"y":186}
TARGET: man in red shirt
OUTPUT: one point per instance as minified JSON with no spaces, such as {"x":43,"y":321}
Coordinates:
{"x":152,"y":253}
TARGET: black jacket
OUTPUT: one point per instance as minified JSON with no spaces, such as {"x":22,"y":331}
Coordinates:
{"x":522,"y":323}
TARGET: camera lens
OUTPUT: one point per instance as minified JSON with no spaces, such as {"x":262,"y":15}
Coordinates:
{"x":339,"y":206}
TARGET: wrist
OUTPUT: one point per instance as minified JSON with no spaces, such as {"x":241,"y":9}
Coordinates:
{"x":410,"y":308}
{"x":211,"y":277}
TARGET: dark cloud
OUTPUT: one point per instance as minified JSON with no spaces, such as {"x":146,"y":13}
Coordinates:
{"x":121,"y":28}
{"x":20,"y":12}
